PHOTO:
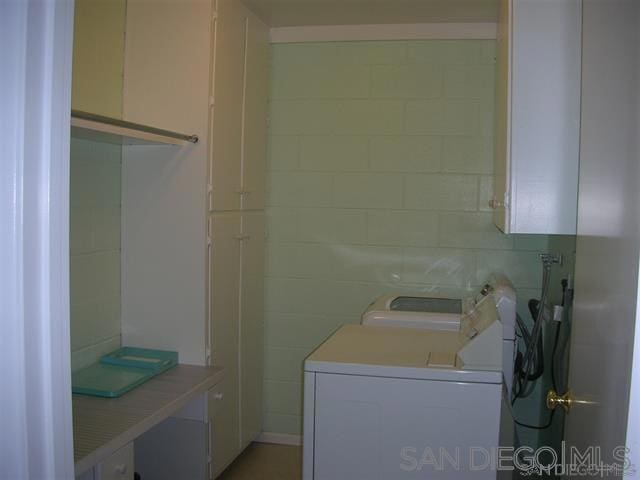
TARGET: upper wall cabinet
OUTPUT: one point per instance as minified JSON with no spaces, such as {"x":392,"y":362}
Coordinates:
{"x":238,"y":109}
{"x":537,"y":116}
{"x":98,"y":56}
{"x":122,"y":92}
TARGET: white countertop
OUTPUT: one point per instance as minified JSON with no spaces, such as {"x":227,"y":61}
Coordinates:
{"x":103,"y":425}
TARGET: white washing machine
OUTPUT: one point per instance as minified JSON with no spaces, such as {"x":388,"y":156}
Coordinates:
{"x":438,"y":313}
{"x":393,"y":403}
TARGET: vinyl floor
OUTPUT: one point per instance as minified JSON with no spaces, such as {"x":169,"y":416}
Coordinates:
{"x":265,"y":461}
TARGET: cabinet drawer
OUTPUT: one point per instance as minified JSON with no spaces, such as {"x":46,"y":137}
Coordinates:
{"x":119,"y":466}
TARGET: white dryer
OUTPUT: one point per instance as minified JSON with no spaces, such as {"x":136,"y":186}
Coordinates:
{"x":393,"y":403}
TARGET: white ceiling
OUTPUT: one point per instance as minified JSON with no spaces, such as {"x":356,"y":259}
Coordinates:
{"x":286,"y":13}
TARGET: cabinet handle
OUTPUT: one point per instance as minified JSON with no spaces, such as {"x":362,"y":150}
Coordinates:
{"x":243,"y":192}
{"x":218,"y":396}
{"x":242,"y":238}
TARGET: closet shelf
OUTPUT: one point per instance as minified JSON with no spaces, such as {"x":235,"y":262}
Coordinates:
{"x":112,"y":130}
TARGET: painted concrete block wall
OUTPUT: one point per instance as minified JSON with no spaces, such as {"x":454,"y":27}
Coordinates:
{"x":95,"y":250}
{"x":380,"y":173}
{"x":98,"y":69}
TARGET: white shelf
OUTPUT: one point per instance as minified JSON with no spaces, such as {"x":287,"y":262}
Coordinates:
{"x":120,"y":132}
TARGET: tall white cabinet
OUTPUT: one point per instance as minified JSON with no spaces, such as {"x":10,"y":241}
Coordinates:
{"x":192,"y":217}
{"x":236,"y":224}
{"x":537,"y":116}
{"x":238,"y":109}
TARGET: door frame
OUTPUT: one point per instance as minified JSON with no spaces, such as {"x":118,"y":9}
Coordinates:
{"x":633,"y":419}
{"x":35,"y":94}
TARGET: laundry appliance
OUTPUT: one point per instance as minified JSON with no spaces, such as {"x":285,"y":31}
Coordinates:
{"x":444,"y":313}
{"x":392,"y":403}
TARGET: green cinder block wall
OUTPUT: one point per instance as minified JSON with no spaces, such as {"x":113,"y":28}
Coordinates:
{"x":95,"y":250}
{"x":94,"y":237}
{"x":379,"y":177}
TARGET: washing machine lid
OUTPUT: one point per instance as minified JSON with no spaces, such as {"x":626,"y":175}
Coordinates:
{"x":474,"y":354}
{"x":430,"y":313}
{"x":442,"y":313}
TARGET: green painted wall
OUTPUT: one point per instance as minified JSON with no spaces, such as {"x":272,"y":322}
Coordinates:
{"x":379,"y":177}
{"x":98,"y":56}
{"x":98,"y":69}
{"x":95,"y":250}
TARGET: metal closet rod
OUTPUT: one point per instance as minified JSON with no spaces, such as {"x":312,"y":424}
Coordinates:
{"x":133,"y":126}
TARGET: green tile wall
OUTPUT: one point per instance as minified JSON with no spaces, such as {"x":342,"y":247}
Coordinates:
{"x":95,"y":250}
{"x":379,"y":177}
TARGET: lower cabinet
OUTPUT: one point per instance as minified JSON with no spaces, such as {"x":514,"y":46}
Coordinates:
{"x":119,"y":466}
{"x":251,"y":326}
{"x":175,"y":448}
{"x":224,"y":434}
{"x":225,"y":230}
{"x":236,"y":299}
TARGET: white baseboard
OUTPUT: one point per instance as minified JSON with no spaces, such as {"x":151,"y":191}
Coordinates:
{"x":279,"y":438}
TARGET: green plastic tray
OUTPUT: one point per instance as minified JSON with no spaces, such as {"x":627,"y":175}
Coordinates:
{"x":104,"y":380}
{"x":157,"y":361}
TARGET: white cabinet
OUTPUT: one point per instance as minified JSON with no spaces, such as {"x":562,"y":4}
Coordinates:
{"x":251,"y":325}
{"x":537,"y":116}
{"x":98,"y":64}
{"x":239,"y":109}
{"x":192,"y":280}
{"x":175,"y":448}
{"x":254,"y":132}
{"x":227,"y":90}
{"x":236,"y":299}
{"x":237,"y":167}
{"x":118,"y":466}
{"x":224,"y":287}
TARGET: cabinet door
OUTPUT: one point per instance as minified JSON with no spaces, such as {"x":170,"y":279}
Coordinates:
{"x":251,"y":326}
{"x":538,"y":116}
{"x":503,"y":119}
{"x":224,"y":285}
{"x":227,"y":90}
{"x":98,"y":63}
{"x":254,"y":133}
{"x":174,"y":448}
{"x":167,"y":65}
{"x":119,"y":466}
